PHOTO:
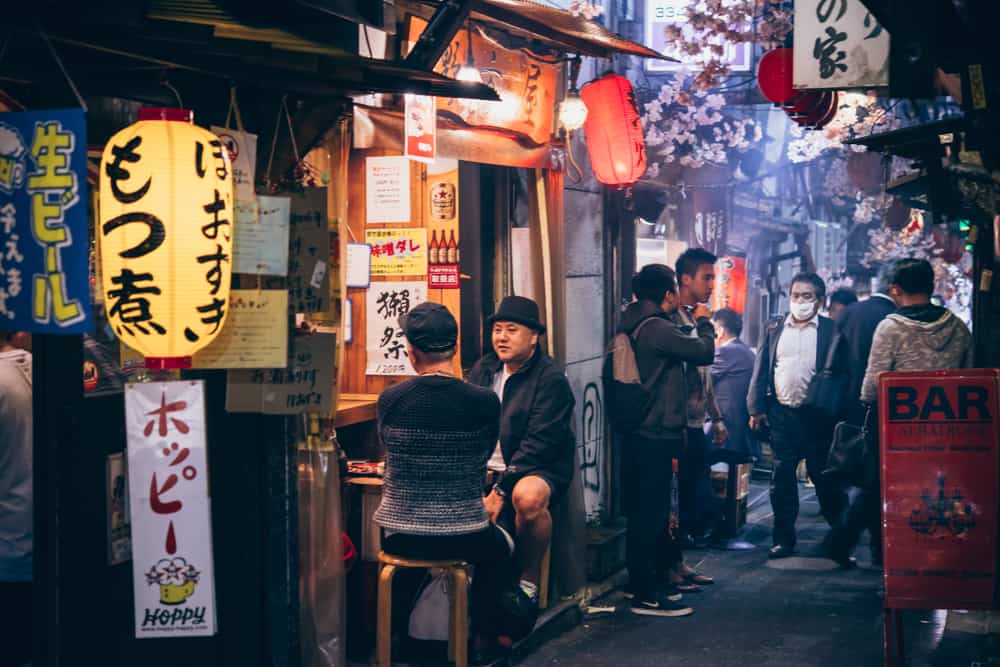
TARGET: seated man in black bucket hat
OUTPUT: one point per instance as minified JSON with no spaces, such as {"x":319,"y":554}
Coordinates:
{"x":535,"y":453}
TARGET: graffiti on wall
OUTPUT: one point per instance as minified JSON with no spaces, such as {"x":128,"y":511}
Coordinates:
{"x":592,"y":454}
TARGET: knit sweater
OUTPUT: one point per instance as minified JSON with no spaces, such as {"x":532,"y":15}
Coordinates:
{"x":438,"y":433}
{"x":917,"y":338}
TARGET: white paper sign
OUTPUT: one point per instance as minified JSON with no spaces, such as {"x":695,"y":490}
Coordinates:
{"x":387,"y":189}
{"x":385,"y":343}
{"x":359,"y":265}
{"x":172,"y":568}
{"x":260,"y":244}
{"x":242,"y":147}
{"x":838,"y":44}
{"x":661,"y":14}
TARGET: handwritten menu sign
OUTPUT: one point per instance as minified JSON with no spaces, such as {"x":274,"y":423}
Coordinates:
{"x":306,"y":384}
{"x":255,"y":334}
{"x":308,"y":255}
{"x":385,"y":343}
{"x":398,"y":252}
{"x":387,"y":189}
{"x":261,"y":242}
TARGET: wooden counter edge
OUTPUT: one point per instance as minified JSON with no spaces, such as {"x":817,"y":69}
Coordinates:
{"x":355,"y":409}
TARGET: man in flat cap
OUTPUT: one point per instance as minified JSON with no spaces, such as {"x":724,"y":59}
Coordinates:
{"x":534,"y":458}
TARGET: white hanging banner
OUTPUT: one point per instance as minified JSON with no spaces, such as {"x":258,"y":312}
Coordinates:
{"x":420,"y":121}
{"x":172,"y":568}
{"x":838,"y":44}
{"x":242,"y":148}
{"x":385,"y":344}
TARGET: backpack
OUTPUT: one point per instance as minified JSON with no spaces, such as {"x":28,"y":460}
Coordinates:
{"x":628,"y":401}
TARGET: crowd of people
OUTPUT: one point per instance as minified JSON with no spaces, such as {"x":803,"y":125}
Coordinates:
{"x":474,"y":466}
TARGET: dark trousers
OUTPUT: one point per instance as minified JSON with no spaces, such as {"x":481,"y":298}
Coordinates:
{"x":648,"y":477}
{"x":796,"y":434}
{"x":698,"y":508}
{"x":485,"y":550}
{"x":15,"y":623}
{"x":865,"y":510}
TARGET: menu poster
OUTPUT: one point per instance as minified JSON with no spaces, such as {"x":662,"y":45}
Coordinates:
{"x":385,"y":344}
{"x":308,"y":255}
{"x":119,"y":522}
{"x":260,"y":244}
{"x":387,"y":189}
{"x":398,"y":252}
{"x":421,"y":127}
{"x":306,"y":384}
{"x":255,"y":334}
{"x":443,"y":252}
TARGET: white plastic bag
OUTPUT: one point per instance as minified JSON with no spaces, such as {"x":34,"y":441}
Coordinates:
{"x":429,"y":618}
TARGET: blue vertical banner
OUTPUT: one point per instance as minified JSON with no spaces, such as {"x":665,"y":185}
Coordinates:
{"x":44,"y":273}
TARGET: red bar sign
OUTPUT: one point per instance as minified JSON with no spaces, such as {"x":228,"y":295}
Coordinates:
{"x":940,"y":466}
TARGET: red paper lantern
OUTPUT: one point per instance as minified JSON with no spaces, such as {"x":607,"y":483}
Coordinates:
{"x":774,"y":76}
{"x":614,"y":132}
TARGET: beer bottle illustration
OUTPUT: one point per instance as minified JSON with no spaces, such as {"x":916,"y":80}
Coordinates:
{"x":432,"y":249}
{"x":452,"y":248}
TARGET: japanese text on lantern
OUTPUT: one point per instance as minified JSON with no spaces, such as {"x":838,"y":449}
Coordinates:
{"x":166,"y":236}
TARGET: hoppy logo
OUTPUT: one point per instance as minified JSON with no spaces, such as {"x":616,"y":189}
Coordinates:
{"x":176,"y":579}
{"x":12,"y":159}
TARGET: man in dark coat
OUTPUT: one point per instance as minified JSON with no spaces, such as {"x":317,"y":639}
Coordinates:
{"x":794,"y":348}
{"x":857,"y":330}
{"x":731,"y":373}
{"x":536,"y":451}
{"x":857,"y":326}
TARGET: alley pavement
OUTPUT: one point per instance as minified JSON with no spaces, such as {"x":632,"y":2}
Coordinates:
{"x":797,"y":611}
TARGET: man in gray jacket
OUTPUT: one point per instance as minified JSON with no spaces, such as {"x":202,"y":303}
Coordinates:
{"x":661,"y":349}
{"x":918,"y":337}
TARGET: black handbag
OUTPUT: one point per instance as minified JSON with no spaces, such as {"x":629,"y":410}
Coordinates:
{"x":847,"y":459}
{"x":827,"y":390}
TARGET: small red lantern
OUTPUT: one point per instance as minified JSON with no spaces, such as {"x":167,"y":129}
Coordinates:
{"x":774,"y":76}
{"x":614,"y":132}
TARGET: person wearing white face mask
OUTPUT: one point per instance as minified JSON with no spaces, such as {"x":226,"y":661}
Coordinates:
{"x":793,"y":349}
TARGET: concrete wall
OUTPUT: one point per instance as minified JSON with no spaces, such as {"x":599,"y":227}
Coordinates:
{"x":585,"y":325}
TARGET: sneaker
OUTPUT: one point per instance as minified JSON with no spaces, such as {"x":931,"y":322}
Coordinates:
{"x":672,"y":595}
{"x":661,"y":606}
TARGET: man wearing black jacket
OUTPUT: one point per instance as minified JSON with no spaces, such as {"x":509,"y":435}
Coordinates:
{"x":536,"y":450}
{"x":857,"y":327}
{"x":793,"y":349}
{"x":661,"y":349}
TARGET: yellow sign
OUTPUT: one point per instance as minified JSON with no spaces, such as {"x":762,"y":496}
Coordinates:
{"x":398,"y":252}
{"x":166,"y":229}
{"x":255,"y":335}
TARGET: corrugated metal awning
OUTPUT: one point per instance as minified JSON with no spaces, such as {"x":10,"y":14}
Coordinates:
{"x":575,"y":33}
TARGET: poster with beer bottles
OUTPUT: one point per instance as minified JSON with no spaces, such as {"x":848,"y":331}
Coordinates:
{"x":443,"y":252}
{"x":940,"y":465}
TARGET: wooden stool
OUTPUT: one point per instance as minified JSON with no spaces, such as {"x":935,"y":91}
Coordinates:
{"x":458,"y":597}
{"x":543,"y":582}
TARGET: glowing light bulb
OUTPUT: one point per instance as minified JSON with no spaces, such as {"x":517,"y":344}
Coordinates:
{"x":470,"y":74}
{"x":572,"y":112}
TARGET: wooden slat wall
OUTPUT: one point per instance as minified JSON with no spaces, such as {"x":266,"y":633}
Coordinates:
{"x":353,"y":378}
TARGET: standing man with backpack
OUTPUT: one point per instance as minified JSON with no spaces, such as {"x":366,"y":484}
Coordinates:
{"x":652,"y":417}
